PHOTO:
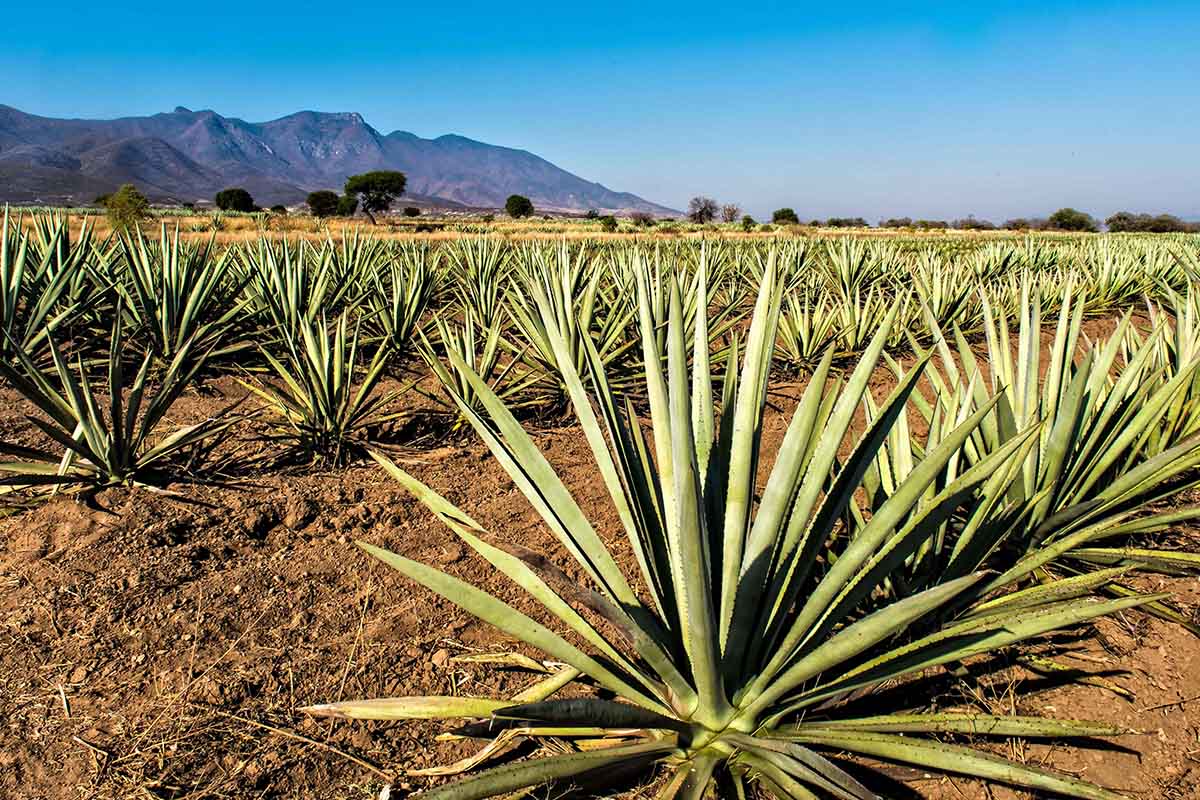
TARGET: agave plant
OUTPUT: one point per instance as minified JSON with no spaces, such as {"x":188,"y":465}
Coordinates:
{"x":124,"y":446}
{"x":399,"y":294}
{"x":37,"y":278}
{"x":1087,"y":495}
{"x":733,"y":650}
{"x":175,"y":294}
{"x":324,"y":397}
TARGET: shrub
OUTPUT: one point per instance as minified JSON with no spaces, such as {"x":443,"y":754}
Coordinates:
{"x":1068,"y":219}
{"x":518,"y":206}
{"x":279,"y":209}
{"x":846,"y":222}
{"x":896,"y":222}
{"x":747,"y":223}
{"x":412,"y":211}
{"x":785,"y":216}
{"x":235,"y":199}
{"x":643,"y":218}
{"x":1126,"y":222}
{"x":487,"y":218}
{"x":608,"y":224}
{"x":730,"y":212}
{"x":378,"y":190}
{"x":931,"y":225}
{"x":972,"y":224}
{"x":592,"y":214}
{"x":346,"y":206}
{"x":323,"y":203}
{"x":126,"y":207}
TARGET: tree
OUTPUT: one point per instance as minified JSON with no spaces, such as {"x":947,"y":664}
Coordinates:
{"x":785,"y":216}
{"x":896,"y":222}
{"x":279,"y":209}
{"x":377,"y":190}
{"x":730,"y":212}
{"x":1068,"y":219}
{"x":643,"y":218}
{"x":1126,"y":222}
{"x":412,"y":211}
{"x":702,"y":210}
{"x":592,"y":214}
{"x":234,"y":199}
{"x":608,"y":224}
{"x":517,"y":206}
{"x":747,"y":223}
{"x":346,"y":206}
{"x":126,"y":207}
{"x":323,"y":203}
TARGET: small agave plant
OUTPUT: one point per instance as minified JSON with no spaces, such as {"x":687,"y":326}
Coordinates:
{"x":739,"y":654}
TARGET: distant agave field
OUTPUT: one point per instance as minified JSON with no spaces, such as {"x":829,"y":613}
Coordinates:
{"x":1014,"y":482}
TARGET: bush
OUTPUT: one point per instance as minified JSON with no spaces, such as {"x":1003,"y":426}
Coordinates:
{"x":412,"y":211}
{"x":730,"y":212}
{"x":1068,"y":219}
{"x":643,"y":218}
{"x":1126,"y":222}
{"x":785,"y":216}
{"x":931,"y":225}
{"x":592,"y":214}
{"x":126,"y":207}
{"x":488,"y":218}
{"x":378,"y":190}
{"x":748,"y":223}
{"x":279,"y":209}
{"x":235,"y":199}
{"x":346,"y":206}
{"x":972,"y":224}
{"x":608,"y":224}
{"x":323,"y":203}
{"x":518,"y":206}
{"x":846,"y":222}
{"x":896,"y":222}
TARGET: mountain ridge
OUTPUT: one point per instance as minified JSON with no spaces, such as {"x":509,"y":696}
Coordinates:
{"x":186,"y":156}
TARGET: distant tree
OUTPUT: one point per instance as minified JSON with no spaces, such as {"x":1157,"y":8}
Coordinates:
{"x":748,"y":223}
{"x":323,"y":203}
{"x":377,"y":190}
{"x":592,"y":214}
{"x":346,"y":206}
{"x":643,"y":218}
{"x":279,"y":209}
{"x":730,"y":212}
{"x":412,"y":211}
{"x":846,"y":222}
{"x":188,"y":205}
{"x":608,"y":224}
{"x":488,"y":218}
{"x":1018,"y":224}
{"x":785,"y":216}
{"x":972,"y":224}
{"x":1068,"y":219}
{"x":896,"y":222}
{"x":518,"y":206}
{"x":234,"y":199}
{"x":931,"y":225}
{"x":702,"y":210}
{"x":126,"y":207}
{"x":1126,"y":222}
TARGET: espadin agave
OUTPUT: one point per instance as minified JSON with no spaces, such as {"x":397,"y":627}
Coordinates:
{"x":751,"y":623}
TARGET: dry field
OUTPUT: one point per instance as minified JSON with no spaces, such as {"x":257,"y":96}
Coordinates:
{"x":164,"y":627}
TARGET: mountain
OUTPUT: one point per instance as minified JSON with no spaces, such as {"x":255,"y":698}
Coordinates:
{"x":189,"y":155}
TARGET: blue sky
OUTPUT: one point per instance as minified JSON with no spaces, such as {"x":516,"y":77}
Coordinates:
{"x":876,"y":109}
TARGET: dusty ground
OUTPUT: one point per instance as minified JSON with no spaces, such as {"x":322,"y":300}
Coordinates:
{"x":155,"y":647}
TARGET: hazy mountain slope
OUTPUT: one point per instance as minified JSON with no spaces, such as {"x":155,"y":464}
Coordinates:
{"x":188,"y":155}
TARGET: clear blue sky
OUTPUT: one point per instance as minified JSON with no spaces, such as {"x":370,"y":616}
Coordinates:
{"x":870,"y":108}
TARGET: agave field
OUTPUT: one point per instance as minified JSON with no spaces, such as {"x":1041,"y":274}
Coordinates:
{"x":791,"y":517}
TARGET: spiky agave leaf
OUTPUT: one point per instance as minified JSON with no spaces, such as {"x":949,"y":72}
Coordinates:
{"x":757,"y":617}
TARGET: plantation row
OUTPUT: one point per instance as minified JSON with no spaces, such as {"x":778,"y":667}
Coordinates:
{"x":749,"y":643}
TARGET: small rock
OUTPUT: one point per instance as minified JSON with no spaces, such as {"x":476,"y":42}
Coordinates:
{"x":440,"y":658}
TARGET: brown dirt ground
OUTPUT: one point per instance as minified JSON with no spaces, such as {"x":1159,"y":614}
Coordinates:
{"x":159,"y":647}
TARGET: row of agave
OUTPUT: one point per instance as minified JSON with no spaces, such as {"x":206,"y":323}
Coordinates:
{"x":313,"y":330}
{"x":753,"y":645}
